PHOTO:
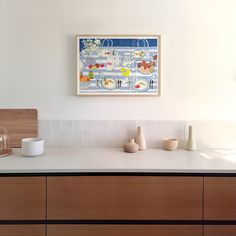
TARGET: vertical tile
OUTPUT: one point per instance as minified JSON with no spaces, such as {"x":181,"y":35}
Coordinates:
{"x":65,"y":124}
{"x":45,"y":131}
{"x":56,"y":124}
{"x":61,"y":133}
{"x":111,"y":133}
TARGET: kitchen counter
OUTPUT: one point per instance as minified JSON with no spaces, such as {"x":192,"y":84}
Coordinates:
{"x":99,"y":191}
{"x":58,"y":160}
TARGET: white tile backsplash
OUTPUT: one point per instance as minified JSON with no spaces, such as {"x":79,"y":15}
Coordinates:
{"x":45,"y":131}
{"x":101,"y":133}
{"x":114,"y":133}
{"x":61,"y":137}
{"x":214,"y":134}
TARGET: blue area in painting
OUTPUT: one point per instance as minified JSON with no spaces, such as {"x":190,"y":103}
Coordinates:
{"x":124,"y":42}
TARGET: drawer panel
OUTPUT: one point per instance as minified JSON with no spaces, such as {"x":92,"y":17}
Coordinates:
{"x":22,"y":198}
{"x":218,"y":230}
{"x":22,"y":230}
{"x":220,"y":198}
{"x":124,"y":197}
{"x":124,"y":230}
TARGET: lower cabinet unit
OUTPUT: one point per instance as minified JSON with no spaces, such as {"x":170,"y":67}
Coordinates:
{"x":22,"y":198}
{"x":219,"y":230}
{"x":220,"y":198}
{"x":124,"y":230}
{"x":124,"y":198}
{"x":22,"y":230}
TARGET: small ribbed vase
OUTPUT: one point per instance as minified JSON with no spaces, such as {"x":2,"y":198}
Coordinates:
{"x":191,"y":144}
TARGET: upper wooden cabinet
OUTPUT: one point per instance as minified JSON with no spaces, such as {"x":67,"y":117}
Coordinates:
{"x":124,"y":197}
{"x":22,"y":230}
{"x":220,"y":198}
{"x":22,"y":198}
{"x":124,"y":230}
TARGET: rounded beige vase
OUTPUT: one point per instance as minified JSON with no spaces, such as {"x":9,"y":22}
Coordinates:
{"x":131,"y":146}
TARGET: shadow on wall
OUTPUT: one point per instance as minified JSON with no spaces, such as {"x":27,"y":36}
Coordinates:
{"x":71,"y":66}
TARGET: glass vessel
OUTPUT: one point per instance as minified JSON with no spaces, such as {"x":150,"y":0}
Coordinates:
{"x":5,"y":149}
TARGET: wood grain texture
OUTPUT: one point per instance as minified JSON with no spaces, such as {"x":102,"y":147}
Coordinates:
{"x":220,"y":230}
{"x":22,"y":198}
{"x":124,"y":230}
{"x":22,"y":230}
{"x":220,"y":198}
{"x":20,"y":123}
{"x":124,"y":197}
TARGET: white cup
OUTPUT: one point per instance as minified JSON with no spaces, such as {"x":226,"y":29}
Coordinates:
{"x":32,"y":146}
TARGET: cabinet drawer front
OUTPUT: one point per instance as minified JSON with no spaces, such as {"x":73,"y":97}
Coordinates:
{"x":124,"y":230}
{"x":220,"y":198}
{"x":218,"y":230}
{"x":22,"y":230}
{"x":124,"y":197}
{"x":22,"y":198}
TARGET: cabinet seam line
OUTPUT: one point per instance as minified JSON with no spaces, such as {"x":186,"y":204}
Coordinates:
{"x":46,"y":225}
{"x":203,"y":205}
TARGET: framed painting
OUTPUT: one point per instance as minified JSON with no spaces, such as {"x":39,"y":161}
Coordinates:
{"x":118,"y":65}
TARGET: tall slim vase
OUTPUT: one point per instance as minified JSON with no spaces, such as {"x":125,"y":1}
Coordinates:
{"x":140,"y":139}
{"x":191,"y":143}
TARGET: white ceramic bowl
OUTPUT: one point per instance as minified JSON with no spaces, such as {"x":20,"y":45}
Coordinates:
{"x":170,"y":144}
{"x":32,"y":146}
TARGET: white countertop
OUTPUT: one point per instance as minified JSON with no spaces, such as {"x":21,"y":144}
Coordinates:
{"x":115,"y":160}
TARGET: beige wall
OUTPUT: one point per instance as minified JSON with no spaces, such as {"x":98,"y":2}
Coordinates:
{"x":38,"y":57}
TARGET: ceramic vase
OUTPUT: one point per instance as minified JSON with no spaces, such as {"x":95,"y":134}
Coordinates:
{"x":140,"y":139}
{"x":191,"y":144}
{"x":131,"y":146}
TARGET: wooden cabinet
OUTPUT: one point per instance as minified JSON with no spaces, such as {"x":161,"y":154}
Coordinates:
{"x":219,"y":230}
{"x":22,"y":198}
{"x":124,"y":230}
{"x":168,"y":198}
{"x":22,"y":230}
{"x":220,"y":198}
{"x":124,"y":197}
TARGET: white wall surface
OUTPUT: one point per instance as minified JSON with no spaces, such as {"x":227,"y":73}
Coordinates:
{"x":38,"y":57}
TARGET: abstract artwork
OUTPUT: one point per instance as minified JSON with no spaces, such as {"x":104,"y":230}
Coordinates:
{"x":118,"y":65}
